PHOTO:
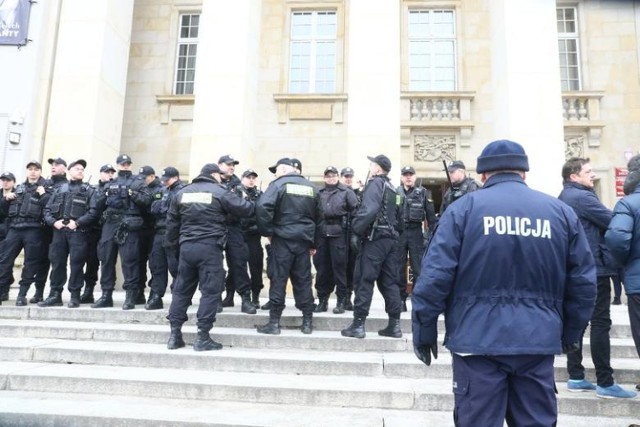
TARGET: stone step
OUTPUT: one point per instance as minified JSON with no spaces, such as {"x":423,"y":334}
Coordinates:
{"x":27,"y":409}
{"x":289,"y":361}
{"x":331,"y":391}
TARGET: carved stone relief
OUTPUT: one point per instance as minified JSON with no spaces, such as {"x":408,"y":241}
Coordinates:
{"x":434,"y":148}
{"x":574,"y":146}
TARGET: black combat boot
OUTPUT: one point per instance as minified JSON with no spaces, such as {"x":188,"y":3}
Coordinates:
{"x":38,"y":296}
{"x":392,"y":330}
{"x":348,"y":305}
{"x":307,"y":323}
{"x":106,"y":300}
{"x":323,"y":305}
{"x":4,"y":295}
{"x":355,"y":329}
{"x":228,"y":299}
{"x":140,"y":298}
{"x":74,"y":300}
{"x":53,"y":300}
{"x":255,"y":298}
{"x":204,"y":342}
{"x":21,"y":299}
{"x":267,"y":306}
{"x":175,"y":339}
{"x":339,"y":309}
{"x":247,"y":305}
{"x":154,"y":303}
{"x":404,"y":305}
{"x":130,"y":299}
{"x":271,"y":328}
{"x":87,"y":295}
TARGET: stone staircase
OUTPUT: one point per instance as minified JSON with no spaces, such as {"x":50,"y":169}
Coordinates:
{"x":108,"y":367}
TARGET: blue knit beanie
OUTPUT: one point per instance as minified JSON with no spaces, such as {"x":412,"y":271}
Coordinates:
{"x":502,"y":155}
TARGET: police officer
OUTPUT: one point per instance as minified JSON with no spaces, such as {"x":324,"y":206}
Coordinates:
{"x":346,"y":175}
{"x":236,"y":249}
{"x":252,"y":236}
{"x":418,"y":211}
{"x":71,"y":211}
{"x":330,"y":259}
{"x":58,"y":178}
{"x":25,"y":207}
{"x":289,"y":213}
{"x":512,"y":269}
{"x":154,"y":187}
{"x":8,"y":181}
{"x":375,"y":227}
{"x":197,"y":220}
{"x":462,"y":184}
{"x":127,"y":198}
{"x":93,"y":235}
{"x":163,"y":259}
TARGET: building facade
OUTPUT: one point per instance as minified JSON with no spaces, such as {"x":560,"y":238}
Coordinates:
{"x":181,"y":82}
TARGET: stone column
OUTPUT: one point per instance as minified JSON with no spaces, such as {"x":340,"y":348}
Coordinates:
{"x":526,"y":86}
{"x":373,"y":84}
{"x":89,"y":81}
{"x":226,"y":83}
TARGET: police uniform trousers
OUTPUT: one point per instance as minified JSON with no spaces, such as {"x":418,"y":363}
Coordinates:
{"x":411,"y":242}
{"x":146,"y":246}
{"x":351,"y":266}
{"x":93,"y":263}
{"x":377,"y":262}
{"x":330,"y":261}
{"x":489,"y":389}
{"x":599,"y":339}
{"x":129,"y":250}
{"x":237,"y":257}
{"x":290,"y":259}
{"x":2,"y":251}
{"x":72,"y":244}
{"x":200,"y":261}
{"x":256,"y":260}
{"x":162,"y":261}
{"x":45,"y":264}
{"x":18,"y":238}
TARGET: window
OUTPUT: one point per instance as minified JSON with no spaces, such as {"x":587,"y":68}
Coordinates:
{"x":568,"y":46}
{"x":432,"y":50}
{"x":312,"y":61}
{"x":186,"y":55}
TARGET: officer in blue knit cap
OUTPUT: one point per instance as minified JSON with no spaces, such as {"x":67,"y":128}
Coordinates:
{"x":512,"y":269}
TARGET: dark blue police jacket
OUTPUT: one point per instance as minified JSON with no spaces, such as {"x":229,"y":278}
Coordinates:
{"x":511,"y":269}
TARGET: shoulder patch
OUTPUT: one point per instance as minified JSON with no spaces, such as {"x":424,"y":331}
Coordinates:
{"x":204,"y":198}
{"x":398,"y":200}
{"x":299,"y":190}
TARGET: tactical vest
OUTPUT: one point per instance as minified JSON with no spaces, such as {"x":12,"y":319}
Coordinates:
{"x":27,"y":204}
{"x":413,"y":206}
{"x":118,"y":198}
{"x":386,"y":222}
{"x":71,"y":203}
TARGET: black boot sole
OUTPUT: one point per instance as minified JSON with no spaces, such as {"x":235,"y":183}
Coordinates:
{"x":268,"y":330}
{"x":176,"y":345}
{"x":385,"y":333}
{"x":351,"y":334}
{"x":206,"y":346}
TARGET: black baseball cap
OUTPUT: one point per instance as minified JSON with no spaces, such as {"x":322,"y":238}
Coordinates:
{"x":169,"y":172}
{"x":330,"y":169}
{"x":106,"y":168}
{"x":210,"y":168}
{"x":146,"y":171}
{"x":78,"y":162}
{"x":283,"y":161}
{"x":8,"y":176}
{"x":382,"y":161}
{"x":123,"y":158}
{"x":296,"y":164}
{"x":227,"y":160}
{"x":455,"y":165}
{"x":408,"y":170}
{"x":34,"y":163}
{"x":347,"y":172}
{"x":249,"y":172}
{"x":57,"y":161}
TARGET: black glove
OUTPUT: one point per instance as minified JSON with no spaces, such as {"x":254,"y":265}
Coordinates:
{"x":355,"y":243}
{"x":424,"y":352}
{"x":570,"y":348}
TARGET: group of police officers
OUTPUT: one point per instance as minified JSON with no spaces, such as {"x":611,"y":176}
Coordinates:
{"x":354,"y":237}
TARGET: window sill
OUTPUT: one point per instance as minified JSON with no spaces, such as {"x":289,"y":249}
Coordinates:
{"x":175,"y":108}
{"x":310,"y":106}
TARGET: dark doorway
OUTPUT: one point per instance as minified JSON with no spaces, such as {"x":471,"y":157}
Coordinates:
{"x":437,"y":188}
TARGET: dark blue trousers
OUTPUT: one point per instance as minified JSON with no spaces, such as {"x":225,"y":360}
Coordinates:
{"x":200,"y":264}
{"x":72,"y":245}
{"x":491,"y":389}
{"x":291,"y":259}
{"x":330,"y":261}
{"x":256,"y":260}
{"x":108,"y":250}
{"x":410,"y":243}
{"x":162,"y":261}
{"x":237,"y":257}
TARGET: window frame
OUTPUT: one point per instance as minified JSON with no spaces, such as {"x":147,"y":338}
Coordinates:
{"x":563,"y":37}
{"x":185,"y":41}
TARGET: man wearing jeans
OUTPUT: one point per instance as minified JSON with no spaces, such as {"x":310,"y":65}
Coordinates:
{"x":595,"y":217}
